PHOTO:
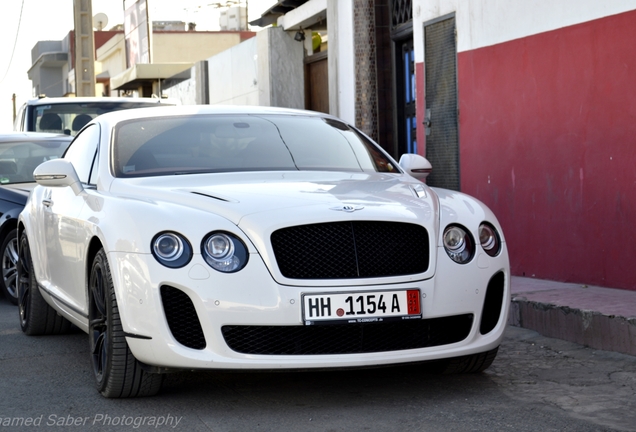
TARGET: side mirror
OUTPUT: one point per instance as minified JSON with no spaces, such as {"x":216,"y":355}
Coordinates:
{"x":58,"y":173}
{"x":416,"y":165}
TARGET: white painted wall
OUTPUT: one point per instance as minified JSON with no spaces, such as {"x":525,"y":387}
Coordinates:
{"x":483,"y":23}
{"x":186,"y":91}
{"x":265,"y":70}
{"x":112,"y":57}
{"x":345,"y":61}
{"x":233,"y":75}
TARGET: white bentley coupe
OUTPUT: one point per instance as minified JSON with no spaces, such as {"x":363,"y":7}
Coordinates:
{"x":200,"y":237}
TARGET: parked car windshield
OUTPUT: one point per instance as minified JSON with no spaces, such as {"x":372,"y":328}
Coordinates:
{"x":228,"y":143}
{"x":19,"y":158}
{"x":69,"y":118}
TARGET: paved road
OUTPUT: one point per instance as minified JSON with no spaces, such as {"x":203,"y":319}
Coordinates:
{"x":535,"y":384}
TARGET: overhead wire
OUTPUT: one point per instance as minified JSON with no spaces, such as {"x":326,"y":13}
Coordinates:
{"x":15,"y":43}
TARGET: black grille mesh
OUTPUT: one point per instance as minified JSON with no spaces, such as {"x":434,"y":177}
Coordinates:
{"x":182,"y":318}
{"x":347,"y":338}
{"x":347,"y":250}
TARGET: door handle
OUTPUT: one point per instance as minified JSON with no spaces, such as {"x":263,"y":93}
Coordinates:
{"x":427,"y":122}
{"x":47,"y":202}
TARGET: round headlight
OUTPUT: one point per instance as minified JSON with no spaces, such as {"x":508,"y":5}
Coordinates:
{"x":224,"y":252}
{"x":458,"y":244}
{"x":219,"y":247}
{"x":171,"y":249}
{"x":489,"y":239}
{"x":168,"y":247}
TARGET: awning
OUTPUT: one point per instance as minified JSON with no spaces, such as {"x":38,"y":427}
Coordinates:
{"x":103,"y":77}
{"x":270,"y":16}
{"x":141,"y":73}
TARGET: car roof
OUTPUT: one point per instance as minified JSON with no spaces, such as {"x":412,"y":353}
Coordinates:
{"x":76,"y":100}
{"x":32,"y":136}
{"x":168,"y":111}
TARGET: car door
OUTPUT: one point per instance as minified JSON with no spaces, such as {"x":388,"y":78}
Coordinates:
{"x":64,"y":230}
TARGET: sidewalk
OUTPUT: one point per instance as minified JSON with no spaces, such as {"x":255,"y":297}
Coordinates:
{"x":601,"y":318}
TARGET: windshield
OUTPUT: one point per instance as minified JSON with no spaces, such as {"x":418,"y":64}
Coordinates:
{"x":229,"y":143}
{"x":69,"y":118}
{"x":18,"y":159}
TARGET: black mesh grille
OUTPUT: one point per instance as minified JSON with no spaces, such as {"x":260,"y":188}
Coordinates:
{"x":347,"y":338}
{"x":182,"y":318}
{"x":346,"y":250}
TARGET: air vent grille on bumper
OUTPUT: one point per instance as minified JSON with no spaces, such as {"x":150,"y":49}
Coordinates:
{"x":347,"y":338}
{"x":347,"y":250}
{"x":182,"y":318}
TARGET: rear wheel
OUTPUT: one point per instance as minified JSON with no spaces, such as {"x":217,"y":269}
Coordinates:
{"x":9,"y":254}
{"x":474,"y":363}
{"x":36,"y":316}
{"x":117,"y":372}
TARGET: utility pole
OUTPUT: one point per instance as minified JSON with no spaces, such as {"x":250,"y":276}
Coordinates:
{"x":84,"y":48}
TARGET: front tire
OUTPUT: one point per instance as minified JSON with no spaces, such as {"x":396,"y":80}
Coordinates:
{"x":9,"y":254}
{"x":118,"y":374}
{"x":36,"y":316}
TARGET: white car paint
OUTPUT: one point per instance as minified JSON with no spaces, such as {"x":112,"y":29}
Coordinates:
{"x":124,"y":214}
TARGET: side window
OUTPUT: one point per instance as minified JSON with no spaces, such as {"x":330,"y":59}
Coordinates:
{"x":82,"y":152}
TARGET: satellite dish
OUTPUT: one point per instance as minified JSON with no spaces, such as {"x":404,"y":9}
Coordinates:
{"x":100,"y":20}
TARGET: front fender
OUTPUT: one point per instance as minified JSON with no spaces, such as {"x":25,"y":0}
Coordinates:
{"x":458,"y":208}
{"x":128,"y":225}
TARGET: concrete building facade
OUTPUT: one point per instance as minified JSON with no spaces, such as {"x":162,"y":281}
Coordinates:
{"x":546,"y":130}
{"x":52,"y":71}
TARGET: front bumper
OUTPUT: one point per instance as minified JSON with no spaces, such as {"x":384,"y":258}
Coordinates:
{"x":251,"y":299}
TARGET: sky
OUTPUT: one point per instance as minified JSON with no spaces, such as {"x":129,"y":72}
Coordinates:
{"x":25,"y":22}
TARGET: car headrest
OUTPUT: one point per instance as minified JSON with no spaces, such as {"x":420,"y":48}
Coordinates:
{"x":50,"y":121}
{"x":80,"y":121}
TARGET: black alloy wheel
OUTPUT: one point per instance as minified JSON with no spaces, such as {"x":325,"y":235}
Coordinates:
{"x":24,"y":282}
{"x":117,"y":372}
{"x":36,"y":316}
{"x":98,"y":323}
{"x":9,"y":254}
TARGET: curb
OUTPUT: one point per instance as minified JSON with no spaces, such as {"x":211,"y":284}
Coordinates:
{"x":585,"y":327}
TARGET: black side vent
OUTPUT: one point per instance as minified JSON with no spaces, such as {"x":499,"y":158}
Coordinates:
{"x":182,"y":318}
{"x":492,"y":303}
{"x":349,"y":250}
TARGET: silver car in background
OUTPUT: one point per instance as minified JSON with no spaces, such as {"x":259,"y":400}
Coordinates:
{"x":67,"y":115}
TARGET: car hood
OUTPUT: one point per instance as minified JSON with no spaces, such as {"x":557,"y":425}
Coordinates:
{"x":16,"y":192}
{"x":261,"y":203}
{"x":284,"y":198}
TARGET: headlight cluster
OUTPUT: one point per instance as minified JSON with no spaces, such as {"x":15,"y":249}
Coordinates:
{"x":489,"y":239}
{"x":221,"y":250}
{"x":171,"y":249}
{"x":460,"y":246}
{"x":224,"y":252}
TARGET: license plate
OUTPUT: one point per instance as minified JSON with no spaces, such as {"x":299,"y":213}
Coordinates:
{"x":361,"y":307}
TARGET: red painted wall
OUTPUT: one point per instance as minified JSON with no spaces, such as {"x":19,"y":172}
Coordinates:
{"x":548,"y":141}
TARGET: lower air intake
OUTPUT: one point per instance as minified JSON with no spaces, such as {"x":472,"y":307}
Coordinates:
{"x":182,"y":318}
{"x":347,"y":338}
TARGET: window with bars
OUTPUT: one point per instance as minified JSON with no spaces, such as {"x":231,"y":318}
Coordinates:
{"x":401,"y":12}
